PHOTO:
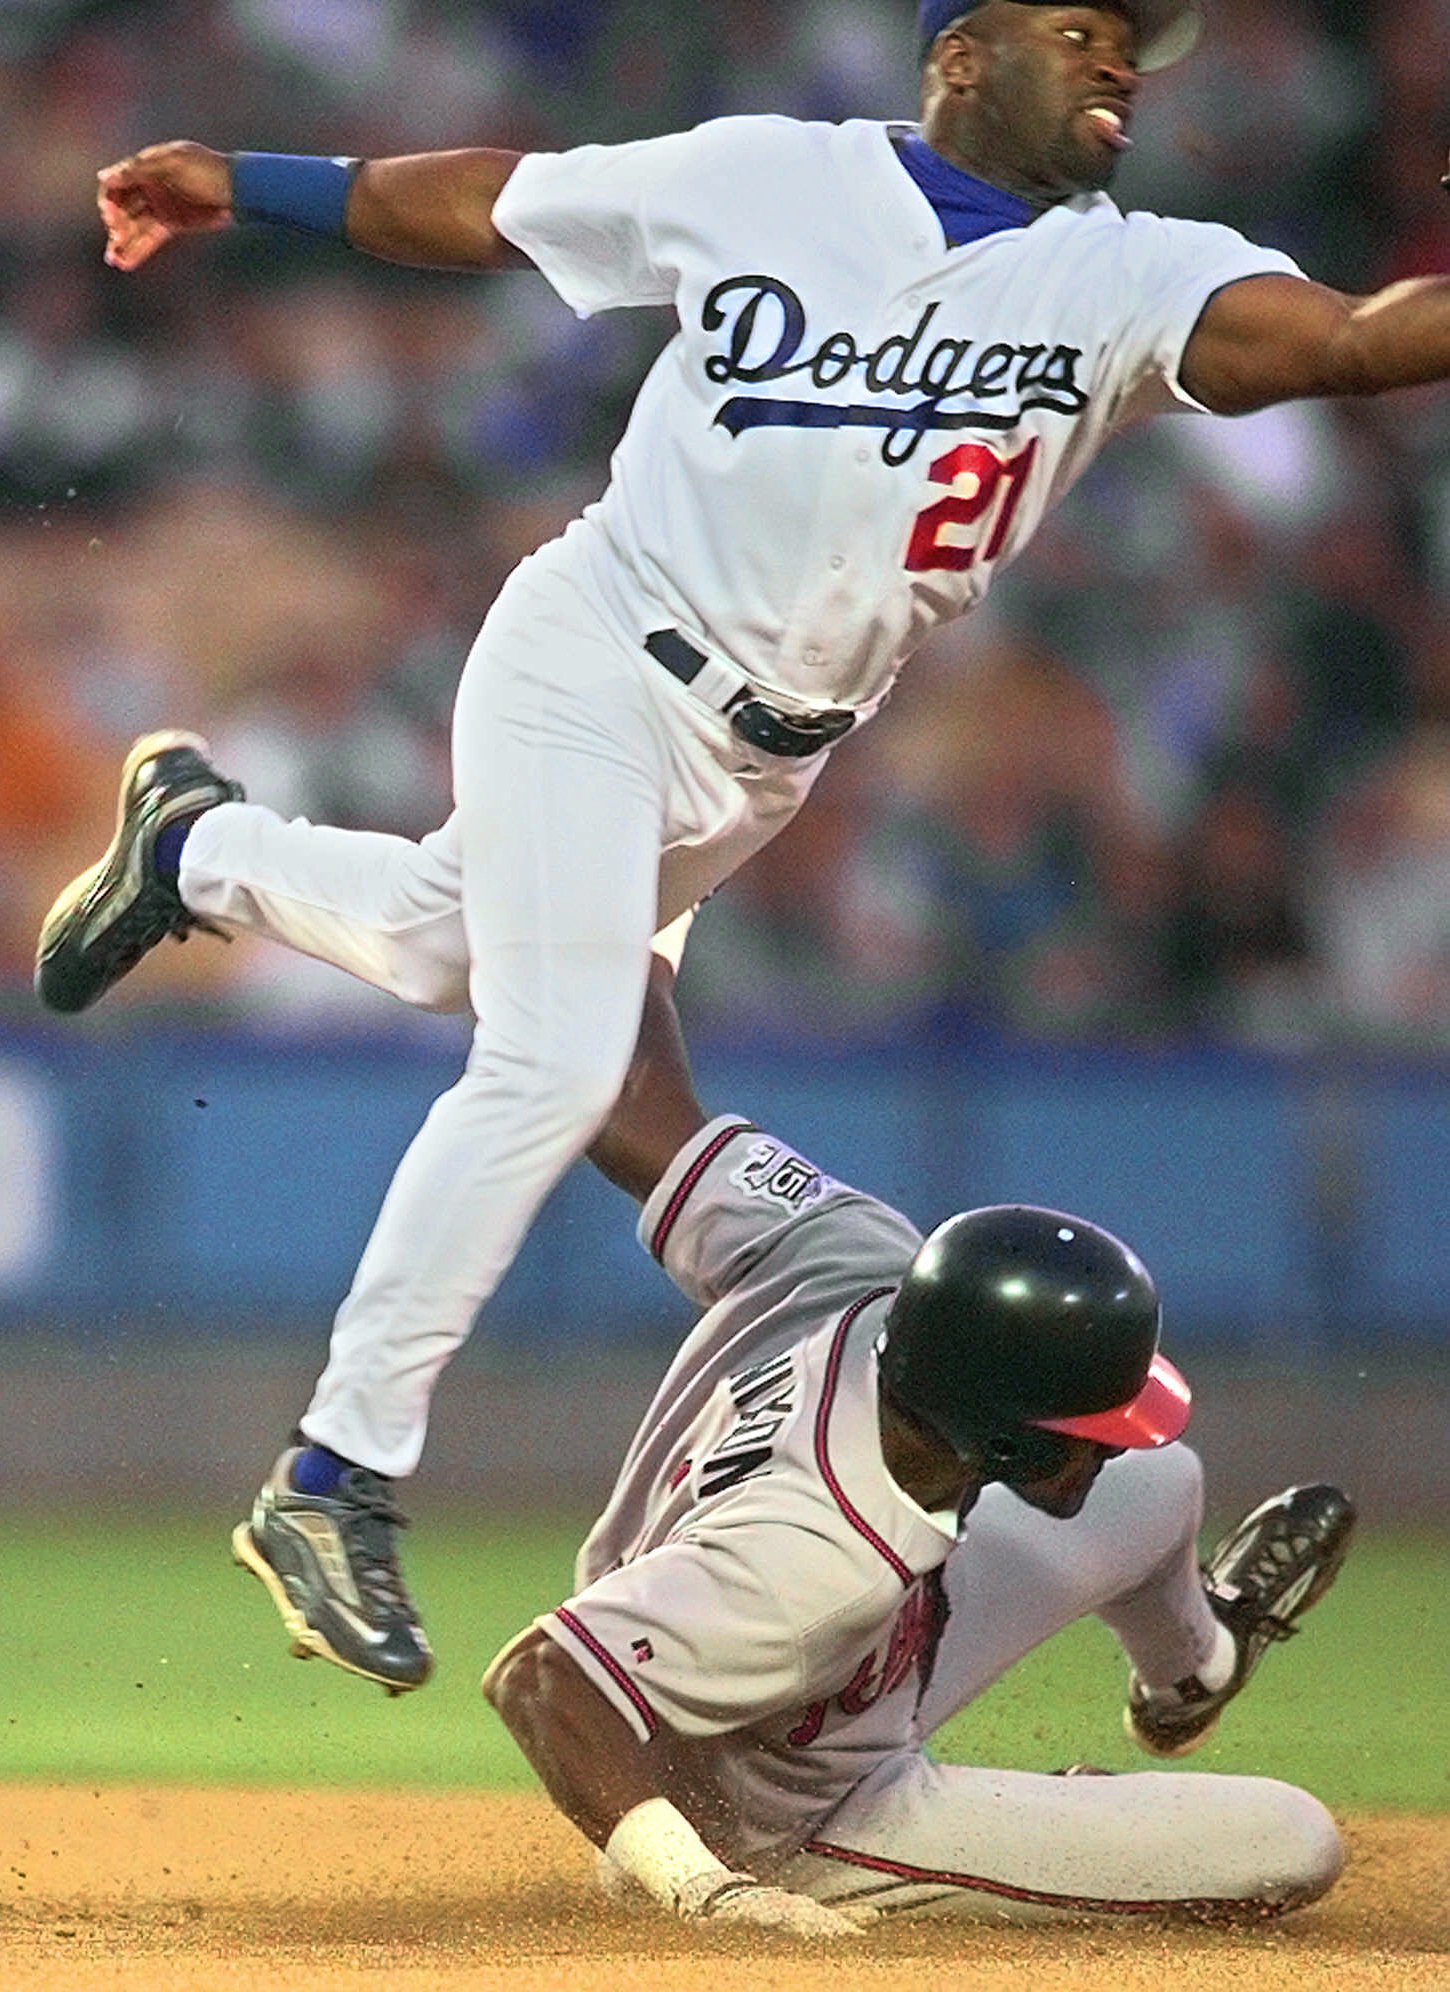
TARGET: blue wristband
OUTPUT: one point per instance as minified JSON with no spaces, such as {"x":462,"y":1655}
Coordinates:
{"x":293,"y":191}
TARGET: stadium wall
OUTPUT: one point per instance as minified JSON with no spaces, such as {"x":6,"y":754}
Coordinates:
{"x":184,"y":1211}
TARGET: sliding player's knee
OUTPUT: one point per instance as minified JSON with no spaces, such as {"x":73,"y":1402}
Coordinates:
{"x":1175,"y":1478}
{"x":1152,"y":1505}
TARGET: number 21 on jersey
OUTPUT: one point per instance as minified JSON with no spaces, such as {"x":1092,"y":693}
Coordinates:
{"x":974,"y":521}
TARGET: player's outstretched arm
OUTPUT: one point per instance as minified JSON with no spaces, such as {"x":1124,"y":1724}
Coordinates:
{"x":1271,"y":339}
{"x":657,"y":1111}
{"x":608,"y":1783}
{"x":432,"y":209}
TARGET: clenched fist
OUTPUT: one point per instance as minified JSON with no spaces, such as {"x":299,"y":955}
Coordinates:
{"x":166,"y":190}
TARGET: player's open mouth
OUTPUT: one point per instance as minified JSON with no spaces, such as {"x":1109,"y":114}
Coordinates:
{"x":1111,"y":125}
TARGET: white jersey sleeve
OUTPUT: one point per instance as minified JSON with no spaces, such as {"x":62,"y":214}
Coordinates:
{"x":1173,"y":269}
{"x":591,"y":218}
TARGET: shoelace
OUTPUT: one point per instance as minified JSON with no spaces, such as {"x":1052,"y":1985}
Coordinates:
{"x":142,"y":937}
{"x":376,"y":1568}
{"x":1267,"y":1571}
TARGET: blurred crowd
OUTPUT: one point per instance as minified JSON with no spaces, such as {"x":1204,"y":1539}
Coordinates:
{"x":1189,"y":772}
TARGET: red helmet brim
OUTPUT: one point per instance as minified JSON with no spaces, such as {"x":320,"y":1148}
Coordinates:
{"x":1155,"y":1417}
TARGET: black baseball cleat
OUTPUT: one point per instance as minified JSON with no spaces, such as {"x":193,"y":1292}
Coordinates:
{"x":113,"y":914}
{"x":1260,"y":1580}
{"x":331,"y":1565}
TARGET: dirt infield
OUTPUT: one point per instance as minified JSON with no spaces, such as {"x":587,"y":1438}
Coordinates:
{"x":186,"y":1891}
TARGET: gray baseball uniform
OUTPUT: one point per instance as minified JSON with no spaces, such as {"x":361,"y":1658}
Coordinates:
{"x":762,"y":1602}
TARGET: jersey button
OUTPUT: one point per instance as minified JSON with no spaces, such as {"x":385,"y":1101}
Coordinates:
{"x":813,"y":655}
{"x":838,"y":561}
{"x":863,"y":455}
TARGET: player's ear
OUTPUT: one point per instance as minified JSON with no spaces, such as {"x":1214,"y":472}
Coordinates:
{"x":959,"y":58}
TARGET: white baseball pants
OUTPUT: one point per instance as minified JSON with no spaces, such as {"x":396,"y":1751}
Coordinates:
{"x":595,"y":801}
{"x":921,"y":1838}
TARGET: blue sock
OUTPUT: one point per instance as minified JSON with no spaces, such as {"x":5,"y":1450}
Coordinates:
{"x":317,"y":1471}
{"x":169,"y":845}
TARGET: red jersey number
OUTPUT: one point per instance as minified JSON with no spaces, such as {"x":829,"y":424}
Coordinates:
{"x":981,"y":483}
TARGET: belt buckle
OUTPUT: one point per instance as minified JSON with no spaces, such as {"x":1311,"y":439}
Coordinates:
{"x":789,"y":739}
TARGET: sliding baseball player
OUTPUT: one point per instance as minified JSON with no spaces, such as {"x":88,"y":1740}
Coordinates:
{"x":878,"y":1472}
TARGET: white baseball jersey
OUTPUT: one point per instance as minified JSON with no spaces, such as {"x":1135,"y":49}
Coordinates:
{"x":853,"y":429}
{"x":855,"y":426}
{"x":759,"y":1587}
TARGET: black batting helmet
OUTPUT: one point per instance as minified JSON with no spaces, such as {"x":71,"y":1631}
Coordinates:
{"x":1014,"y":1317}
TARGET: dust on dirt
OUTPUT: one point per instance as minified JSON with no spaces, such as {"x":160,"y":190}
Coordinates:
{"x":226,"y":1891}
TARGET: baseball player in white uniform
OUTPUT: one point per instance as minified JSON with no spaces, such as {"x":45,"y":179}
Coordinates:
{"x":898,"y":345}
{"x":878,"y":1472}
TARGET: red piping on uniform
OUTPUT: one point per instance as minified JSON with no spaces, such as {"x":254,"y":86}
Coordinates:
{"x":1044,"y":1898}
{"x":823,"y":1460}
{"x":696,"y":1170}
{"x":611,"y":1667}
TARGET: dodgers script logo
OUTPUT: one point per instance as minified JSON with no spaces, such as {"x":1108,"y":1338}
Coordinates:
{"x":766,"y":340}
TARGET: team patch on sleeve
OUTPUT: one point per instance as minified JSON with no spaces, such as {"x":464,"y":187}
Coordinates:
{"x":780,"y":1177}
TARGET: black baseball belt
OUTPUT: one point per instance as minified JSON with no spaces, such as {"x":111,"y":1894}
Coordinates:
{"x":792,"y":735}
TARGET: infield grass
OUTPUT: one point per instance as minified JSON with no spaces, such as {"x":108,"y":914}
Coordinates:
{"x":134,"y":1651}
